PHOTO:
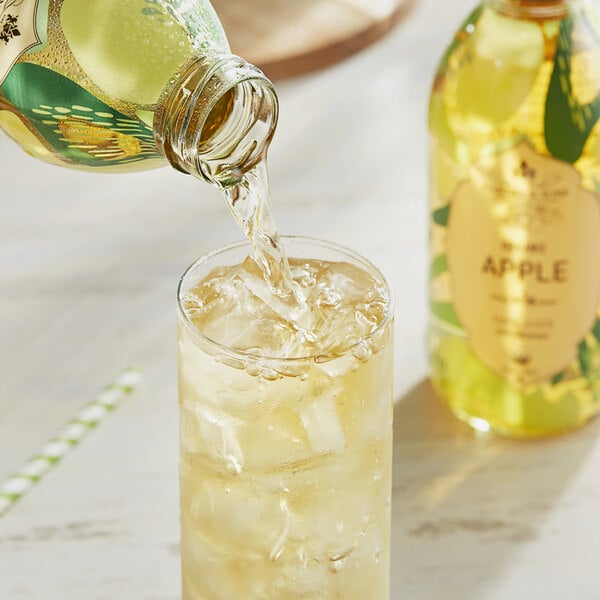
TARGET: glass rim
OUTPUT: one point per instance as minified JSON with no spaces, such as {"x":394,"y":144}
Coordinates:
{"x":253,"y":357}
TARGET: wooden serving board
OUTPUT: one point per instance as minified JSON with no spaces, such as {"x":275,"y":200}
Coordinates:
{"x":291,"y":37}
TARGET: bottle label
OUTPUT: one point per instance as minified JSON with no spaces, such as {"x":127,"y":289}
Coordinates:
{"x":524,"y":261}
{"x":18,"y":32}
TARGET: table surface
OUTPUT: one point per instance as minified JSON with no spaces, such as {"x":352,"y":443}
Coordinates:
{"x":89,"y":265}
{"x":287,"y":38}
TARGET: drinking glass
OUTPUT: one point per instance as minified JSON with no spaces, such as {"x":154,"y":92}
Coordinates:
{"x":285,"y":467}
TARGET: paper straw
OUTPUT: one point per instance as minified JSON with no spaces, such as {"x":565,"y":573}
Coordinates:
{"x":68,"y":438}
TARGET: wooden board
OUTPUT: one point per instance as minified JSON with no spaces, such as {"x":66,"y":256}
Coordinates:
{"x":292,"y":37}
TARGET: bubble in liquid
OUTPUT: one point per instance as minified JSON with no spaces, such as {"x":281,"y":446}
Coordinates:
{"x":338,"y":558}
{"x":363,"y":351}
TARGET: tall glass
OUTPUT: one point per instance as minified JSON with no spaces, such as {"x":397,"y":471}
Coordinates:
{"x":285,"y":465}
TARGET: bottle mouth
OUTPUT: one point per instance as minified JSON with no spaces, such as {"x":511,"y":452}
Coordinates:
{"x":218,"y":119}
{"x":238,"y":131}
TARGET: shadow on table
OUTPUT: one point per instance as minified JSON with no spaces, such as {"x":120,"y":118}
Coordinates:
{"x":465,"y":503}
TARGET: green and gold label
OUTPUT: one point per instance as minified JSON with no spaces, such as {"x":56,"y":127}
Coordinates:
{"x":523,"y":253}
{"x":18,"y":31}
{"x":76,"y":125}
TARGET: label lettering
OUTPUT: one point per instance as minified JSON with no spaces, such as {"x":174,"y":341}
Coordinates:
{"x":555,"y":272}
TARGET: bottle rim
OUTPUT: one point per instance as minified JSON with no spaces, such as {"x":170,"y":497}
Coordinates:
{"x":533,"y":8}
{"x":189,"y":102}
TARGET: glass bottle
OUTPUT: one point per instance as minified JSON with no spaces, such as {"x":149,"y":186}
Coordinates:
{"x":124,"y":85}
{"x":514,"y":336}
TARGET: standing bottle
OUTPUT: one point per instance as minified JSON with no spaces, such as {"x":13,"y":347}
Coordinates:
{"x":514,"y":337}
{"x":123,"y":85}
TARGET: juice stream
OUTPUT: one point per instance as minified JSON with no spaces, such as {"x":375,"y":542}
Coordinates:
{"x":250,"y":203}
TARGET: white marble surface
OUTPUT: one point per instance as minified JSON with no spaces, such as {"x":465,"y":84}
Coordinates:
{"x":88,"y":269}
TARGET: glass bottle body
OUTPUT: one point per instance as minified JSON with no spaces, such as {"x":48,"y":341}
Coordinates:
{"x":515,"y":219}
{"x":85,"y":91}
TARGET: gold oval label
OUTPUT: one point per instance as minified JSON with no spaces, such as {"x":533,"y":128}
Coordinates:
{"x":524,"y":260}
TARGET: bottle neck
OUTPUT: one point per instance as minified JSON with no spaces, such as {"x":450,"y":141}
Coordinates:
{"x":533,"y":9}
{"x":217,"y":119}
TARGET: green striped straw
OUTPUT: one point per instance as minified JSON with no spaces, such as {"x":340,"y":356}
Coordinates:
{"x":68,"y":438}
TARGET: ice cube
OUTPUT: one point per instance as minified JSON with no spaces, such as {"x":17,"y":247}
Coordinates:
{"x":213,"y":381}
{"x":257,"y":333}
{"x":242,"y":313}
{"x":322,"y":425}
{"x":276,"y":439}
{"x":208,"y":567}
{"x":302,"y":575}
{"x":337,"y":367}
{"x":339,"y":329}
{"x":323,"y":565}
{"x":295,"y":316}
{"x":210,"y":432}
{"x":243,"y":518}
{"x":366,"y":408}
{"x":345,"y":282}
